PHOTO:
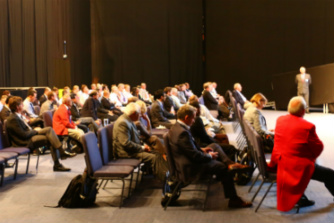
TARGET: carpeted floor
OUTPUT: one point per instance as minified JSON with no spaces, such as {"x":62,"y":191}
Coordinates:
{"x":23,"y":200}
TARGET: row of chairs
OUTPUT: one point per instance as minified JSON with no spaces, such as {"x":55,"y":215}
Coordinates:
{"x":102,"y":165}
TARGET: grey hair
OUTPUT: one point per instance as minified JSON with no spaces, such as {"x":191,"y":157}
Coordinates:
{"x":132,"y":108}
{"x":143,"y":108}
{"x":297,"y":106}
{"x":185,"y":110}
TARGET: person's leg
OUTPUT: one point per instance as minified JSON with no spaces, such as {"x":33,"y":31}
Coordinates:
{"x":51,"y":136}
{"x":325,"y":175}
{"x":306,"y":97}
{"x":221,"y":154}
{"x":155,"y":143}
{"x":147,"y":158}
{"x":41,"y":140}
{"x":76,"y":134}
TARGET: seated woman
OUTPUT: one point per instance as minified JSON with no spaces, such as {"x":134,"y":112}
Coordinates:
{"x":203,"y":139}
{"x":254,"y":116}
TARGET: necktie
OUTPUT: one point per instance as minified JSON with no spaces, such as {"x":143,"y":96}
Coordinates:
{"x":32,"y":108}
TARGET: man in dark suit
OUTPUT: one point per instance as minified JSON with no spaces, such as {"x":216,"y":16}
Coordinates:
{"x":159,"y":115}
{"x":209,"y":101}
{"x":303,"y":80}
{"x":44,"y":97}
{"x":192,"y":161}
{"x":168,"y":103}
{"x":238,"y":96}
{"x":21,"y":134}
{"x":5,"y":112}
{"x":108,"y":105}
{"x":126,"y":139}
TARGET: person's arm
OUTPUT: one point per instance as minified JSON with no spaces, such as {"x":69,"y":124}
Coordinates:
{"x":123,"y":135}
{"x":258,"y":125}
{"x":15,"y":128}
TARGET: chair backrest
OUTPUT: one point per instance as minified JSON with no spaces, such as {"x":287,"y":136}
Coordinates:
{"x":201,"y":100}
{"x":92,"y":152}
{"x":4,"y":138}
{"x":241,"y":112}
{"x":47,"y":117}
{"x":168,"y":151}
{"x":37,"y":109}
{"x":259,"y":151}
{"x":105,"y":137}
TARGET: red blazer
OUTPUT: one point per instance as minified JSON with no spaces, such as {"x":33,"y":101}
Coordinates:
{"x":61,"y":120}
{"x":296,"y":148}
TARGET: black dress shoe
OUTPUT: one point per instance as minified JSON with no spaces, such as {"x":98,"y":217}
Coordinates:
{"x":60,"y":168}
{"x":239,"y":203}
{"x":305,"y":202}
{"x":66,"y":155}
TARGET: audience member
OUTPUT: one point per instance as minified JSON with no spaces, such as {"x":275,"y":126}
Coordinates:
{"x":296,"y":149}
{"x":239,"y":97}
{"x":44,"y":96}
{"x":168,"y":103}
{"x":159,"y":115}
{"x":144,"y":93}
{"x":5,"y":111}
{"x":50,"y":103}
{"x":176,"y":100}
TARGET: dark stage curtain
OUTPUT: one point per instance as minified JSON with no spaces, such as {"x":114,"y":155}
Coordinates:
{"x":157,"y":42}
{"x":31,"y":42}
{"x":250,"y":41}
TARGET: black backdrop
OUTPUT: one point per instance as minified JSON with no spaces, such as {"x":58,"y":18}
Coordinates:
{"x":159,"y":41}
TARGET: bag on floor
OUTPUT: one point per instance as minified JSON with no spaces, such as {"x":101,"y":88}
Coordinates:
{"x":81,"y":192}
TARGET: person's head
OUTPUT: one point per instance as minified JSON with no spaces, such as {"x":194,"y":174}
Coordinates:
{"x":143,"y":108}
{"x":182,"y":87}
{"x":143,"y":85}
{"x":127,"y":87}
{"x":174,"y":91}
{"x":114,"y":89}
{"x":207,"y":86}
{"x":187,"y":85}
{"x":6,"y":92}
{"x":75,"y":89}
{"x":214,"y":85}
{"x":193,"y":98}
{"x":15,"y":104}
{"x":106,"y":93}
{"x":187,"y":114}
{"x":67,"y":100}
{"x":67,"y":88}
{"x":84,"y":89}
{"x":51,"y":96}
{"x":47,"y":90}
{"x":94,"y":94}
{"x":196,"y":105}
{"x":168,"y":91}
{"x":93,"y":86}
{"x":66,"y":91}
{"x":31,"y":94}
{"x":297,"y":106}
{"x":135,"y":91}
{"x":159,"y":95}
{"x":302,"y":70}
{"x":259,"y":100}
{"x":237,"y":87}
{"x":74,"y":98}
{"x":132,"y":110}
{"x":120,"y":86}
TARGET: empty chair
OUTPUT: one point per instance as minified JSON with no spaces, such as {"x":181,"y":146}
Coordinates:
{"x":96,"y":168}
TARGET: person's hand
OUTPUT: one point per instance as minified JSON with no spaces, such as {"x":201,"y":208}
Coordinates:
{"x":214,"y":155}
{"x":147,"y":148}
{"x":77,"y":122}
{"x":207,"y":150}
{"x":111,"y":113}
{"x":98,"y":121}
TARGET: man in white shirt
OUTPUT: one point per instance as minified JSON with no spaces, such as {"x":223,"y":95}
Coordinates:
{"x":144,"y":93}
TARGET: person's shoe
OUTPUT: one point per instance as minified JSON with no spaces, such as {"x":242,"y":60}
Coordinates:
{"x":239,"y":203}
{"x":66,"y":155}
{"x":237,"y":167}
{"x":305,"y":202}
{"x":60,"y":168}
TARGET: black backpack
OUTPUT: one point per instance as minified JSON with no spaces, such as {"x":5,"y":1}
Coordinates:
{"x":81,"y":192}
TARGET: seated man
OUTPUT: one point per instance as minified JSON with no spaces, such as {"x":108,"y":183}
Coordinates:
{"x":239,"y":97}
{"x":44,"y":96}
{"x":62,"y":122}
{"x":28,"y":107}
{"x":50,"y":103}
{"x":168,"y":103}
{"x":159,"y":115}
{"x":5,"y":112}
{"x":92,"y":124}
{"x":126,"y":139}
{"x":192,"y":161}
{"x":296,"y":148}
{"x":209,"y":101}
{"x":21,"y":134}
{"x":108,"y":105}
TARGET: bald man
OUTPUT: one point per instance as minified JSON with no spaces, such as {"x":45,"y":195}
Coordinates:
{"x":296,"y":149}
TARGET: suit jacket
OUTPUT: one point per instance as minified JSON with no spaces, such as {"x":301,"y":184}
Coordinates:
{"x":106,"y":104}
{"x":61,"y":121}
{"x":199,"y":133}
{"x":209,"y":101}
{"x":257,"y":120}
{"x":295,"y":150}
{"x":238,"y":98}
{"x":18,"y":132}
{"x":188,"y":157}
{"x":168,"y":103}
{"x":89,"y":109}
{"x":159,"y":114}
{"x":4,"y":114}
{"x":47,"y":106}
{"x":303,"y":85}
{"x":126,"y":139}
{"x":42,"y":99}
{"x":75,"y":112}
